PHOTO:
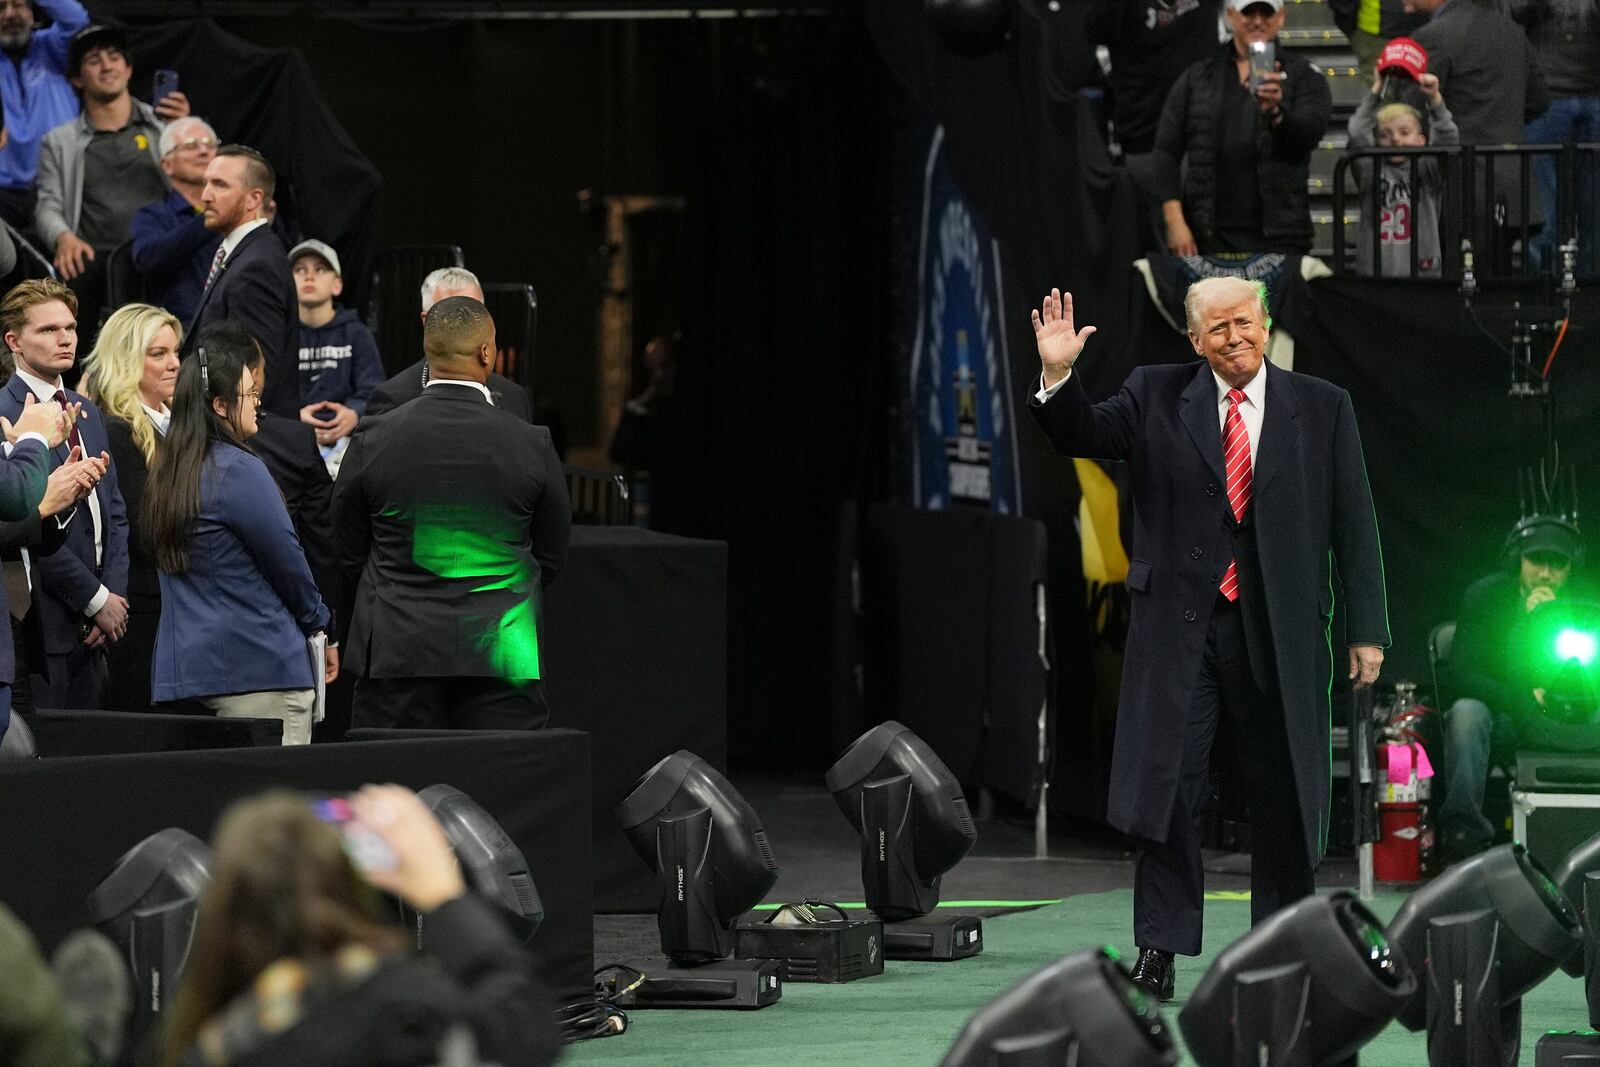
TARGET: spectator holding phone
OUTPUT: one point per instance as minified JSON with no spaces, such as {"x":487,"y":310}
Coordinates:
{"x":1410,"y":212}
{"x":1233,"y":149}
{"x":237,"y":598}
{"x":292,"y":961}
{"x":98,"y":169}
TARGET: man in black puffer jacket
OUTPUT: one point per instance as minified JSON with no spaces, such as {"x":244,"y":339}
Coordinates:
{"x":1231,"y":162}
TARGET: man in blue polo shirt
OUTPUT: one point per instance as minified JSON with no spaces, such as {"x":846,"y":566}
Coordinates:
{"x":37,"y":97}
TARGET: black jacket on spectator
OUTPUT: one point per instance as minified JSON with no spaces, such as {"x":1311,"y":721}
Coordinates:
{"x":1185,"y":159}
{"x":289,"y":449}
{"x":1151,"y":42}
{"x":128,"y":661}
{"x":407,"y":385}
{"x":401,"y":1013}
{"x":256,"y":289}
{"x":1485,"y":663}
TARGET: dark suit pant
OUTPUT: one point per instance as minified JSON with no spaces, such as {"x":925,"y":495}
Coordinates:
{"x":448,"y":703}
{"x":77,"y":680}
{"x":1169,"y":883}
{"x":129,"y":662}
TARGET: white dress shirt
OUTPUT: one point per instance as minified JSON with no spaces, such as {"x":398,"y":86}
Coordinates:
{"x":46,"y":391}
{"x":1251,"y":409}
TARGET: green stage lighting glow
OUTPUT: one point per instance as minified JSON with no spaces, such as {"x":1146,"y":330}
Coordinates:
{"x":1573,"y":644}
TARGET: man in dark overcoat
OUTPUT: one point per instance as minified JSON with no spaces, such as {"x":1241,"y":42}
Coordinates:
{"x":1249,"y":494}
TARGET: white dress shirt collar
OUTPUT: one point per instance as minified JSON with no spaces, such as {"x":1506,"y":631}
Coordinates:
{"x":237,"y":234}
{"x":479,"y":386}
{"x":162,"y":418}
{"x":42,"y":389}
{"x":1255,"y":390}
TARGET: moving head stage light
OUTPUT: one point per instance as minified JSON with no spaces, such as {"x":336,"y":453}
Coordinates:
{"x":1480,"y":936}
{"x":1082,"y":1010}
{"x":914,"y":826}
{"x":1308,"y":986}
{"x":146,"y":905}
{"x":1579,"y":879}
{"x":490,"y":861}
{"x":712,"y":864}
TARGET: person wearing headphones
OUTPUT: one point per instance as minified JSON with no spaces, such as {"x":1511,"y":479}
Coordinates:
{"x":1500,"y":705}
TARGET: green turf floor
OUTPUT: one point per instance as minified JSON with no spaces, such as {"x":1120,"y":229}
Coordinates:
{"x":911,"y":1013}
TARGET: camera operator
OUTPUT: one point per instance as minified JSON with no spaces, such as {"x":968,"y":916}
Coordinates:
{"x":1500,"y":703}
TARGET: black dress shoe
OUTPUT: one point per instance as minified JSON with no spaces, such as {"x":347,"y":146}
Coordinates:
{"x":1155,"y":974}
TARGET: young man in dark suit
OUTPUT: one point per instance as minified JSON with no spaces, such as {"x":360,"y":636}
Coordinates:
{"x":450,"y":516}
{"x":408,"y":384}
{"x":80,"y":590}
{"x":1248,"y":482}
{"x":249,"y":280}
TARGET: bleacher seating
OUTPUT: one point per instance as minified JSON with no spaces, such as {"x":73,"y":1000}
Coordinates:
{"x":1309,"y":32}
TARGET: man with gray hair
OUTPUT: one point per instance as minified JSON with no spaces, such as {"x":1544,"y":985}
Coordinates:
{"x":172,"y":249}
{"x":408,"y":384}
{"x":1248,"y":486}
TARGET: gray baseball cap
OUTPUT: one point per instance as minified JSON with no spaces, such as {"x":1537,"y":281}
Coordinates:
{"x":317,"y":248}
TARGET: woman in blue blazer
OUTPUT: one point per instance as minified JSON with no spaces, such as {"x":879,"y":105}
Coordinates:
{"x":237,"y":598}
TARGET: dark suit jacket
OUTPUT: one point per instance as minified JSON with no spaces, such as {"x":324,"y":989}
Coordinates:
{"x":22,"y":481}
{"x":1311,"y":506}
{"x":67,"y":579}
{"x":449,"y":515}
{"x":289,"y":449}
{"x":407,"y":385}
{"x":1487,"y":71}
{"x":144,"y":588}
{"x":256,"y":289}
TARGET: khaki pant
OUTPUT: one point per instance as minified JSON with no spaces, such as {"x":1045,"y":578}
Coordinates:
{"x":292,"y":706}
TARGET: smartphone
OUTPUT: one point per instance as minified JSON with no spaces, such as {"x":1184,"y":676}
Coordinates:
{"x":166,"y":81}
{"x":365,"y":847}
{"x":1263,"y":60}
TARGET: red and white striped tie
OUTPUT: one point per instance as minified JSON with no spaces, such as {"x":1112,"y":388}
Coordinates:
{"x":1236,"y":457}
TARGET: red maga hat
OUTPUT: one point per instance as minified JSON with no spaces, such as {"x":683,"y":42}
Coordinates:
{"x":1405,"y":56}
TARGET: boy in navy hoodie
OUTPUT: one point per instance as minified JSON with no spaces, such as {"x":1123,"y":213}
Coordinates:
{"x":339,"y":361}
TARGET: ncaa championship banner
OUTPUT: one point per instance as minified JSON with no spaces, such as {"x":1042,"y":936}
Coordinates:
{"x":962,"y":450}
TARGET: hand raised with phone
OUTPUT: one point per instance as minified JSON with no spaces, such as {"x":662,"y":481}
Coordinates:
{"x":425,"y":873}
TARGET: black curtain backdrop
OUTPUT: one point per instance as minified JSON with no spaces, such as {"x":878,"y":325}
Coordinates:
{"x":1027,"y":154}
{"x":502,"y":135}
{"x":267,"y":98}
{"x":779,"y":411}
{"x":1443,"y":439}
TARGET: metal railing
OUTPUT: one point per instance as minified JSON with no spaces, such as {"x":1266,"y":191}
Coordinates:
{"x":1487,"y":195}
{"x":599,"y":498}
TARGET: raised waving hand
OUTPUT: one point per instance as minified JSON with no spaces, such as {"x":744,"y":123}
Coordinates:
{"x":1059,"y":343}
